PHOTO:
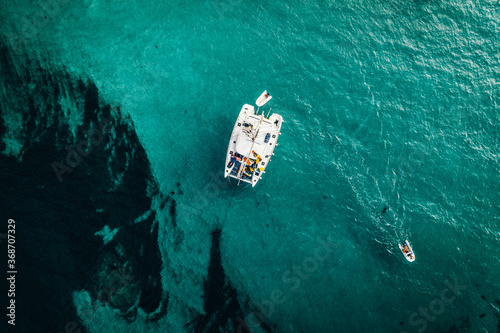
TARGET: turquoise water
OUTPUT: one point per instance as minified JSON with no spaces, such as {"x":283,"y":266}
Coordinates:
{"x":391,"y":132}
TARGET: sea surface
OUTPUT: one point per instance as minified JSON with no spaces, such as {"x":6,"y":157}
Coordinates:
{"x":114,"y":123}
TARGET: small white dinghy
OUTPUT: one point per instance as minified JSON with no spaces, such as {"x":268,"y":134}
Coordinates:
{"x":407,"y":251}
{"x":263,"y":99}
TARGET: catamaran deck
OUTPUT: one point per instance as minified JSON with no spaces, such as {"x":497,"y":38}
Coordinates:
{"x":251,"y":145}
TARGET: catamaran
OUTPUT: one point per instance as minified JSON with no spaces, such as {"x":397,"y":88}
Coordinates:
{"x":252,"y":142}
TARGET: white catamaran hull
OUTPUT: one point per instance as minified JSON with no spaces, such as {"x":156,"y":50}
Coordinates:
{"x":251,"y":146}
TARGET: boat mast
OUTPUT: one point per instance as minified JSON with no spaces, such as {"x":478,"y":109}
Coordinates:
{"x":251,"y":148}
{"x":263,"y":99}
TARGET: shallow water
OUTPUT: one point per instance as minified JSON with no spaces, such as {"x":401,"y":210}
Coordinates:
{"x":391,"y":132}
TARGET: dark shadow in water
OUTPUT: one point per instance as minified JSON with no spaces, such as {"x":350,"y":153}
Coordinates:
{"x":223,"y":312}
{"x":57,"y":252}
